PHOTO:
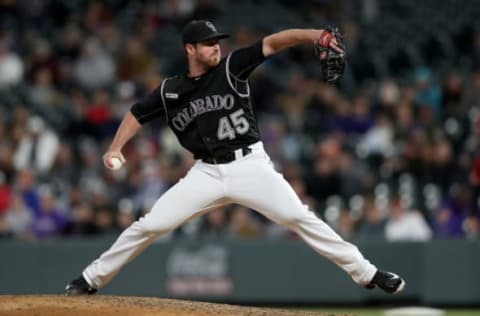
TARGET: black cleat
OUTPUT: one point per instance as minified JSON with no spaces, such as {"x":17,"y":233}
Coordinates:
{"x":79,"y":287}
{"x":387,"y":281}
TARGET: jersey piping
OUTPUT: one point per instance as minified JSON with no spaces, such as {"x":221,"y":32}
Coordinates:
{"x":228,"y":74}
{"x":163,"y":98}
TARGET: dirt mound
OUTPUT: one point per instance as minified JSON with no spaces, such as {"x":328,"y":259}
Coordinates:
{"x":56,"y":305}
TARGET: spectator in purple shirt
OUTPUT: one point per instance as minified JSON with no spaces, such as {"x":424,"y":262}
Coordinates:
{"x":50,"y":222}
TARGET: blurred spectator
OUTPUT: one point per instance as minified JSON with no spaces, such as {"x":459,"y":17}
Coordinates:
{"x":4,"y":229}
{"x":354,"y":174}
{"x":472,"y":227}
{"x":82,"y":221}
{"x":11,"y":66}
{"x":352,"y":34}
{"x":471,"y":94}
{"x":446,"y":224}
{"x":452,"y":91}
{"x":476,"y":51}
{"x":324,"y":179}
{"x":176,"y":12}
{"x":377,"y":142}
{"x":112,"y":39}
{"x":406,"y":225}
{"x":50,"y":221}
{"x":6,"y":153}
{"x":136,"y":60}
{"x":449,"y":219}
{"x":124,"y":98}
{"x":97,"y":16}
{"x":150,"y":186}
{"x":124,"y":219}
{"x":388,"y":94}
{"x":125,"y":215}
{"x":362,"y":119}
{"x":95,"y":67}
{"x":19,"y":218}
{"x":42,"y":59}
{"x":70,"y":43}
{"x":442,"y":164}
{"x":42,"y":91}
{"x":372,"y":225}
{"x":27,"y":186}
{"x":275,"y":141}
{"x":104,"y":221}
{"x":428,"y":91}
{"x":215,"y":224}
{"x":98,"y":116}
{"x":345,"y":226}
{"x":405,"y":121}
{"x":64,"y":169}
{"x":353,"y":118}
{"x":37,"y":148}
{"x":5,"y":193}
{"x":474,"y":178}
{"x":298,"y":185}
{"x":242,"y":224}
{"x":205,"y":10}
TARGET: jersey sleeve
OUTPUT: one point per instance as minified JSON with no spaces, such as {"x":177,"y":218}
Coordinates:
{"x":244,"y":60}
{"x":149,"y":108}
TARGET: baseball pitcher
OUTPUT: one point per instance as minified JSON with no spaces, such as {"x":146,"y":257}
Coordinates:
{"x":210,"y":110}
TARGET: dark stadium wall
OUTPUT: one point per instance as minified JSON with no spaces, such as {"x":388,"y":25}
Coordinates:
{"x":281,"y":273}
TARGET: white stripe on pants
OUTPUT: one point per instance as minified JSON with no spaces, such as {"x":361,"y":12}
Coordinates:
{"x":250,"y":181}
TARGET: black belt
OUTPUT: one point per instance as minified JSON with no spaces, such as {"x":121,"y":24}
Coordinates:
{"x":228,"y":157}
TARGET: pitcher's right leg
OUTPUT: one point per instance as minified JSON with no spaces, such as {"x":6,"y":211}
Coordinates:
{"x":255,"y":184}
{"x":192,"y":196}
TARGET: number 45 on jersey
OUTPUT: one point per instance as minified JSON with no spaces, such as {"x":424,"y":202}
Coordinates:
{"x":232,"y":125}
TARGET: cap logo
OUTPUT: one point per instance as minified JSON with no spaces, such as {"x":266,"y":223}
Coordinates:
{"x":210,"y":26}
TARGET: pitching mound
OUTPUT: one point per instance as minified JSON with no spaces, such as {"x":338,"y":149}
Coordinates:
{"x":55,"y":305}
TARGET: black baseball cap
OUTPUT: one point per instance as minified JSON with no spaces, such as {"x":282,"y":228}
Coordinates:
{"x":200,"y":31}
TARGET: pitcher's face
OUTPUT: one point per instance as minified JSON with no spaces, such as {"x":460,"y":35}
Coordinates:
{"x":207,"y":53}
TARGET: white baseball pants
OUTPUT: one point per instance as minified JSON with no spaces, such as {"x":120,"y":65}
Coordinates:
{"x":251,"y":181}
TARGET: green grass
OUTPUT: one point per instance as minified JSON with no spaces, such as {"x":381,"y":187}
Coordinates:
{"x":379,"y":312}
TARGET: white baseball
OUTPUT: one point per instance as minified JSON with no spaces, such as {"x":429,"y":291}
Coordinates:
{"x":116,"y":163}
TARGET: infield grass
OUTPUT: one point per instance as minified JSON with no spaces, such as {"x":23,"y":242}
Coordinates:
{"x":379,"y":312}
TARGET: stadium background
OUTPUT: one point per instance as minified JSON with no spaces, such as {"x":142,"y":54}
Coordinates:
{"x":388,"y":157}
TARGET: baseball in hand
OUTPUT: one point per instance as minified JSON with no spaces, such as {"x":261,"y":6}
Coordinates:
{"x":116,"y":163}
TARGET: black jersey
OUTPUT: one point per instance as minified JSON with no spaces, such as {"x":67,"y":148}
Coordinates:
{"x":212,"y":114}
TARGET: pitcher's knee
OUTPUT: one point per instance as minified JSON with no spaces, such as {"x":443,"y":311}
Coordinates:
{"x":292,"y":220}
{"x":149,"y":226}
{"x":295,"y":219}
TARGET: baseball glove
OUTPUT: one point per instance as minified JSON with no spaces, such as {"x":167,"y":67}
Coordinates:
{"x":333,"y":62}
